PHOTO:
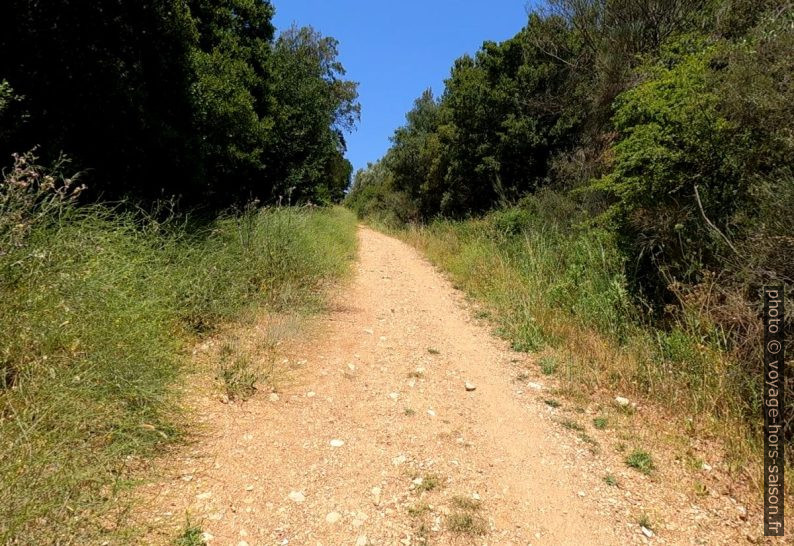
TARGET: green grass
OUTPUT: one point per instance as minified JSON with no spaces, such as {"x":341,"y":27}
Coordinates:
{"x":97,"y":310}
{"x":641,"y":460}
{"x":600,"y":423}
{"x":191,"y":536}
{"x":555,"y":285}
{"x":238,"y":375}
{"x":548,"y":365}
{"x":611,"y":480}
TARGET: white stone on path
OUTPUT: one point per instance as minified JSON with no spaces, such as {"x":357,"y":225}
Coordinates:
{"x":333,"y":517}
{"x":337,"y":443}
{"x":470,"y":386}
{"x":296,"y":496}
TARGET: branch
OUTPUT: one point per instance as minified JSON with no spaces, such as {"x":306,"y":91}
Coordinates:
{"x":700,"y":205}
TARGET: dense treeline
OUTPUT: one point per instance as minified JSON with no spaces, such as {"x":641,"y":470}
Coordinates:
{"x":667,"y":122}
{"x":162,"y":98}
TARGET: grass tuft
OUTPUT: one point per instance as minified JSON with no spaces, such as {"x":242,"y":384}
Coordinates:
{"x":465,"y":503}
{"x":418,"y":510}
{"x":191,"y":536}
{"x":600,"y":423}
{"x":237,"y":373}
{"x":465,"y":519}
{"x":645,"y":521}
{"x":547,"y":365}
{"x":572,"y":425}
{"x":641,"y":461}
{"x":429,"y":483}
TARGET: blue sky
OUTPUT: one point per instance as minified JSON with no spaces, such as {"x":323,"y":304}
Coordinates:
{"x":395,"y":50}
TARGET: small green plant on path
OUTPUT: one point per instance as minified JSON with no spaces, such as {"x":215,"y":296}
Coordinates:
{"x":641,"y":460}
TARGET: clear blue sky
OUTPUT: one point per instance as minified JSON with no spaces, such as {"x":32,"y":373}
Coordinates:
{"x":395,"y":50}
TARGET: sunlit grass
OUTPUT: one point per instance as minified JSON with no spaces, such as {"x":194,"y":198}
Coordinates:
{"x":97,"y":309}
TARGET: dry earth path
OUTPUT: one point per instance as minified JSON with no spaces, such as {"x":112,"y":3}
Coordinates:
{"x":375,"y":439}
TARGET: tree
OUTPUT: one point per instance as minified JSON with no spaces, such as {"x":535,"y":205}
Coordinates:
{"x":162,"y":98}
{"x":415,"y":154}
{"x":314,"y":107}
{"x":107,"y":82}
{"x":233,"y":97}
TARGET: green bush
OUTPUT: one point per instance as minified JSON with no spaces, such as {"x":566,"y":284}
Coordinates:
{"x":509,"y":222}
{"x":372,"y":196}
{"x":675,"y":162}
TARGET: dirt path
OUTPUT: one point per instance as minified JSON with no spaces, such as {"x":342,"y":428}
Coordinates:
{"x":376,"y":439}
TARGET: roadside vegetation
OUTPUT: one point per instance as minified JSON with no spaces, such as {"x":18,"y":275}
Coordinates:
{"x":613,"y":185}
{"x":98,"y":308}
{"x":191,"y":125}
{"x":561,"y":291}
